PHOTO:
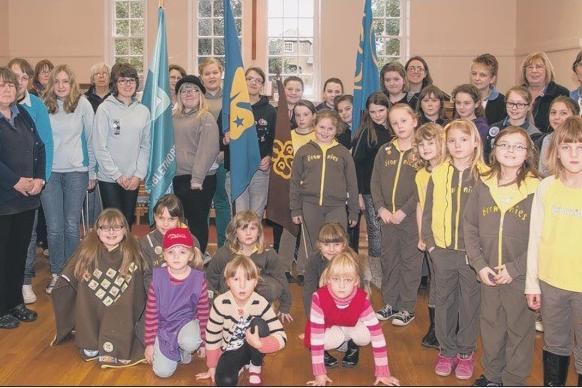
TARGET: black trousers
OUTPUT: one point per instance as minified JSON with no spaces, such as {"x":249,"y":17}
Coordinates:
{"x":15,"y":232}
{"x":230,"y":362}
{"x":117,"y":197}
{"x":196,"y":205}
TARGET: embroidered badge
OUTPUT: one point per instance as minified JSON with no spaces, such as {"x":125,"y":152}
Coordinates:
{"x":158,"y":250}
{"x":263,"y":122}
{"x":108,"y":346}
{"x":493,"y":131}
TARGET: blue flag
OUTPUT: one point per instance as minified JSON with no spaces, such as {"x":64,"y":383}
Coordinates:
{"x":367,"y":78}
{"x":162,"y":166}
{"x":237,"y":113}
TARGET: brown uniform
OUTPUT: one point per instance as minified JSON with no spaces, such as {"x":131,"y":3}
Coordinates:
{"x":393,"y":188}
{"x":105,"y":309}
{"x":496,"y":228}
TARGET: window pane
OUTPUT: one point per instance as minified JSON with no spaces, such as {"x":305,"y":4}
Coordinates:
{"x":275,"y":46}
{"x":218,"y":9}
{"x":275,"y":65}
{"x":393,"y":27}
{"x":204,"y":27}
{"x":236,"y":8}
{"x":305,"y":27}
{"x":121,"y":9}
{"x":218,"y":47}
{"x":393,"y":47}
{"x":291,"y":8}
{"x":378,"y":27}
{"x":137,"y":27}
{"x":275,"y":9}
{"x":238,"y":23}
{"x":289,"y":27}
{"x":122,"y":28}
{"x":137,"y":62}
{"x":306,"y":47}
{"x":205,"y":8}
{"x":393,"y":8}
{"x":136,"y":9}
{"x":136,"y":47}
{"x":276,"y":27}
{"x":378,"y":7}
{"x":306,"y":8}
{"x":218,"y":27}
{"x":121,"y":47}
{"x":205,"y":46}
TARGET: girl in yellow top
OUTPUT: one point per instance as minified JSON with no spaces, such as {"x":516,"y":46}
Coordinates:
{"x":554,"y":269}
{"x":429,"y":152}
{"x":457,"y":290}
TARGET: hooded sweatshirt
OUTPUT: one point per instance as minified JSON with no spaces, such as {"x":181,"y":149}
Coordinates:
{"x":323,"y":175}
{"x":121,"y":139}
{"x":496,"y":225}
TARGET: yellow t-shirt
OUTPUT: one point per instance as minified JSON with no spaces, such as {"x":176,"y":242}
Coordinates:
{"x":422,"y":177}
{"x":299,"y":140}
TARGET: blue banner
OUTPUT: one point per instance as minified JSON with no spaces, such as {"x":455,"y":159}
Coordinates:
{"x":367,"y":78}
{"x":237,"y":113}
{"x":156,"y":96}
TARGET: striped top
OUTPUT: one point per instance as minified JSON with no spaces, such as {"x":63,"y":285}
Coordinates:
{"x":367,"y":317}
{"x":225,"y":314}
{"x":151,"y":312}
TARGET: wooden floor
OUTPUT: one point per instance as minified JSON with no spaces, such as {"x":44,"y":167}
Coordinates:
{"x":26,"y":357}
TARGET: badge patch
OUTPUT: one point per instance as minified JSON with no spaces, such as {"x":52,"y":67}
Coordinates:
{"x":493,"y":131}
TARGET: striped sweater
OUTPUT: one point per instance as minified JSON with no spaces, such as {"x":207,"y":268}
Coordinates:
{"x":151,"y":312}
{"x":224,"y":315}
{"x":367,"y":317}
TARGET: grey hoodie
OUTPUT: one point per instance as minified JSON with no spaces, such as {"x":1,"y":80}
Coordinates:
{"x":121,"y":139}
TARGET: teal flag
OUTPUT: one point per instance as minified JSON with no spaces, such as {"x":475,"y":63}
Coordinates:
{"x":237,"y":113}
{"x":156,"y":97}
{"x":367,"y":78}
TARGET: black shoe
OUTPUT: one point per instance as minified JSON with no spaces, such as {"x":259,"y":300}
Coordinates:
{"x":555,"y":369}
{"x":23,"y":314}
{"x":329,"y":360}
{"x":300,"y":280}
{"x":290,"y":278}
{"x":430,"y":340}
{"x":352,"y":355}
{"x":484,"y":382}
{"x":580,"y":380}
{"x":7,"y":321}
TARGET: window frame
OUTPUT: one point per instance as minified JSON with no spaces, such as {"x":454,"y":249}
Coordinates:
{"x":403,"y":35}
{"x":111,"y":35}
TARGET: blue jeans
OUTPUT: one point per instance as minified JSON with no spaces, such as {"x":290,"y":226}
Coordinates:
{"x":255,"y":195}
{"x":221,"y":206}
{"x":31,"y":254}
{"x":62,"y":201}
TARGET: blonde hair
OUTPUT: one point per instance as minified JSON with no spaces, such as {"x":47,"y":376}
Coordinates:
{"x":468,"y":128}
{"x":208,"y":62}
{"x":92,"y":249}
{"x":96,"y":68}
{"x":243,"y":219}
{"x":537,"y":56}
{"x":569,"y":132}
{"x":178,"y":110}
{"x":408,"y":110}
{"x":248,"y":267}
{"x":49,"y":96}
{"x":197,"y":261}
{"x":332,"y":232}
{"x":429,"y":131}
{"x":343,"y":264}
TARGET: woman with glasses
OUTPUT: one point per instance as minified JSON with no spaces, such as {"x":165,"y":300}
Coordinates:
{"x":196,"y":137}
{"x":122,"y":142}
{"x":42,"y":70}
{"x":73,"y":168}
{"x":418,"y":76}
{"x":99,"y":89}
{"x":518,"y":106}
{"x":537,"y":74}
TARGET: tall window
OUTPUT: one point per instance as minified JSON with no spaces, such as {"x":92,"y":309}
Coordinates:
{"x":290,"y":40}
{"x":129,"y":32}
{"x":210,"y":31}
{"x":389,"y":24}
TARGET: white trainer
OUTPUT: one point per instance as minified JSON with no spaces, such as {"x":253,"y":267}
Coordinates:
{"x":28,"y":294}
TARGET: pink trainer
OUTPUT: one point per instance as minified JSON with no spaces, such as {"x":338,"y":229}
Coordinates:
{"x":444,"y":365}
{"x":464,"y":369}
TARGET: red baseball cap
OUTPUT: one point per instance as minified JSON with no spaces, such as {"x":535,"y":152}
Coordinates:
{"x":178,"y":236}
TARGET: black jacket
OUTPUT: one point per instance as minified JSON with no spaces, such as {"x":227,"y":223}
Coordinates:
{"x":495,"y":110}
{"x":22,"y":154}
{"x":94,"y":99}
{"x":541,"y":105}
{"x":364,"y":155}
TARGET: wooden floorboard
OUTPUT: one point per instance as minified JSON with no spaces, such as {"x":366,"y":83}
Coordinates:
{"x":27,"y":359}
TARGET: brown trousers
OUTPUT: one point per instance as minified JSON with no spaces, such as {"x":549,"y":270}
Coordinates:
{"x":507,"y":333}
{"x":314,"y":216}
{"x":457,"y":301}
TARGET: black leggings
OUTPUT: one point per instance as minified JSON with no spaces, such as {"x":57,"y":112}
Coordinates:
{"x":230,"y":362}
{"x":115,"y":196}
{"x":196,"y":205}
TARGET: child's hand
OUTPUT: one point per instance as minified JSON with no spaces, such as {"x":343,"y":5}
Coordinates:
{"x":361,"y":202}
{"x":421,"y":245}
{"x":320,"y":381}
{"x":397,"y":217}
{"x":201,"y":352}
{"x":384,"y":215}
{"x":503,"y":277}
{"x":297,"y":220}
{"x":252,"y":337}
{"x":207,"y":375}
{"x":390,"y":380}
{"x":285,"y":316}
{"x":352,"y":223}
{"x":534,"y":301}
{"x":149,"y":353}
{"x":487,"y":276}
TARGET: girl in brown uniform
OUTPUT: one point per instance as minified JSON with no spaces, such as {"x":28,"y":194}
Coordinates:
{"x":496,"y":228}
{"x":394,"y":194}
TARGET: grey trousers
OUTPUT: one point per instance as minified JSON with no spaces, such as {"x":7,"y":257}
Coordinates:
{"x":562,"y":312}
{"x":315,"y":216}
{"x":401,"y":263}
{"x":507,"y":334}
{"x":457,"y":301}
{"x":255,"y":195}
{"x":287,"y":251}
{"x":189,"y":340}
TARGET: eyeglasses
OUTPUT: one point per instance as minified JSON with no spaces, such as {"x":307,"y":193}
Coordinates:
{"x":8,"y":85}
{"x":518,"y":105}
{"x":535,"y":67}
{"x":23,"y":77}
{"x":102,"y":74}
{"x":126,"y":81}
{"x":258,"y":81}
{"x":44,"y":72}
{"x":109,"y":228}
{"x":189,"y":92}
{"x":418,"y":69}
{"x":511,"y":147}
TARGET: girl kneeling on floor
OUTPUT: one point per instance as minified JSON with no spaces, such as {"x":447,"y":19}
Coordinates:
{"x":341,"y":312}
